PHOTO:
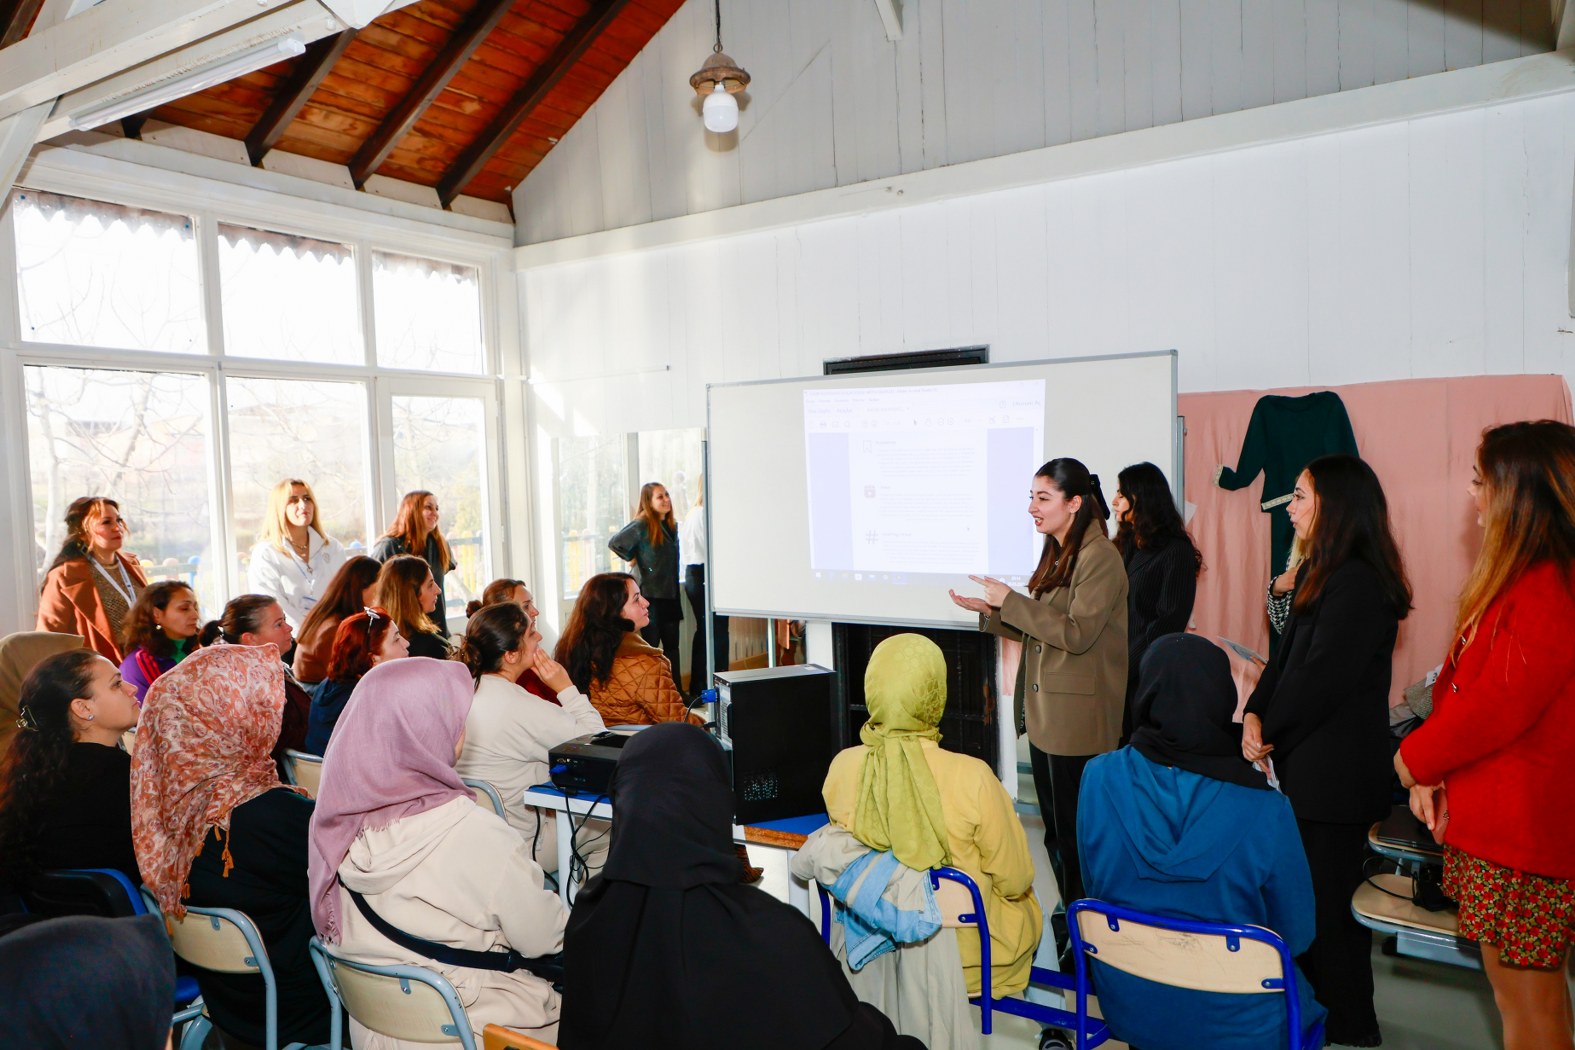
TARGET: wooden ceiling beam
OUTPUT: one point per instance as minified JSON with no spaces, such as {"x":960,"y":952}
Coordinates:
{"x":16,"y":22}
{"x":305,"y":78}
{"x":466,"y":39}
{"x":530,"y":95}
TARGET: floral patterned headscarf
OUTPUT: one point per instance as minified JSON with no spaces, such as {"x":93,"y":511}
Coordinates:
{"x":203,"y":744}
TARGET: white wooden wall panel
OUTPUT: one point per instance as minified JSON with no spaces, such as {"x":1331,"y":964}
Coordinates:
{"x":833,"y":103}
{"x":1436,"y":246}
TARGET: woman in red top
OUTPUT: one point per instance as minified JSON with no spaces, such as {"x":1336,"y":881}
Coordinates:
{"x":1490,"y":770}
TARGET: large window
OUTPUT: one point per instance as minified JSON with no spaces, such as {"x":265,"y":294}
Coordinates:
{"x":293,"y":428}
{"x":95,"y":274}
{"x":288,"y":298}
{"x":285,"y":366}
{"x":593,"y":503}
{"x":438,"y":443}
{"x":140,"y":438}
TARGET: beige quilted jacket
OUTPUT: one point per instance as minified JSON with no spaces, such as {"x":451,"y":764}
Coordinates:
{"x":640,"y":690}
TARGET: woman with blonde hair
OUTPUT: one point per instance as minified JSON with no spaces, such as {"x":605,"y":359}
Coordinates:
{"x":407,"y":590}
{"x":415,"y":531}
{"x":1489,"y":770}
{"x":293,"y":559}
{"x":92,"y":584}
{"x":650,"y":541}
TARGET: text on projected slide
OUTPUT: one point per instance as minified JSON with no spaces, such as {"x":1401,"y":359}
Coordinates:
{"x":922,"y":480}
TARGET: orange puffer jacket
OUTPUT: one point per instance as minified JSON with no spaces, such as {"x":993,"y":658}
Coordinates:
{"x":640,"y":689}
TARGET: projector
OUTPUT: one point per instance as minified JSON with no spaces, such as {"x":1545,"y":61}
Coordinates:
{"x":585,"y":765}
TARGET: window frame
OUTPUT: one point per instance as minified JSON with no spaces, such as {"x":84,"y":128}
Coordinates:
{"x":364,"y":233}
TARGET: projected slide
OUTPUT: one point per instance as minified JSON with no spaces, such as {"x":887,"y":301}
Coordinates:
{"x":922,"y":481}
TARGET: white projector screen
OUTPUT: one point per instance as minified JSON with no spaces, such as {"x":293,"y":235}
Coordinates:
{"x":863,"y":498}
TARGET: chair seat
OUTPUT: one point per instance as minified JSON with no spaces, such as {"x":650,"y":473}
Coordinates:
{"x":1384,"y":902}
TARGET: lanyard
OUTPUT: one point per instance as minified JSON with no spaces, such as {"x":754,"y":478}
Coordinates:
{"x":123,"y":587}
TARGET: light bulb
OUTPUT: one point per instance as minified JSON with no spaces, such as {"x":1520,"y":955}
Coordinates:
{"x":720,"y":110}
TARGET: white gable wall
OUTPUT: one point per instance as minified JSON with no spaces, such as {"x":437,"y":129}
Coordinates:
{"x":833,"y":103}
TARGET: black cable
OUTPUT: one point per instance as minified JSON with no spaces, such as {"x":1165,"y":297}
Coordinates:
{"x":574,"y":849}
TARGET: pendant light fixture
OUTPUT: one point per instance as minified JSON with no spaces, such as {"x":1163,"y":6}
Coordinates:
{"x":717,"y":82}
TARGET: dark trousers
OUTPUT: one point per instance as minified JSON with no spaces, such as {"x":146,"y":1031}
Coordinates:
{"x":694,"y":587}
{"x":1339,"y":965}
{"x":1057,"y":779}
{"x":662,"y":632}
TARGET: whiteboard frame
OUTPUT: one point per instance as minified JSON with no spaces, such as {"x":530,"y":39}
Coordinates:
{"x":918,"y":374}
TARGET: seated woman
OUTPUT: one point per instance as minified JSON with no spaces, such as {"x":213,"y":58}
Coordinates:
{"x":405,"y":588}
{"x":19,"y":654}
{"x":160,"y":632}
{"x":215,"y":828}
{"x":1179,"y":824}
{"x":65,"y":784}
{"x":353,"y":588}
{"x":930,"y":807}
{"x":509,"y":590}
{"x":628,"y":681}
{"x":509,"y":732}
{"x":364,"y":640}
{"x":257,"y":619}
{"x":669,"y":905}
{"x":399,"y":835}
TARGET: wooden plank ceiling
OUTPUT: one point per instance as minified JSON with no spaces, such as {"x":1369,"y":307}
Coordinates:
{"x":464,"y":96}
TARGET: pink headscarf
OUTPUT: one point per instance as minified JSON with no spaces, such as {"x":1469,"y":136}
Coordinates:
{"x":203,"y":743}
{"x":392,"y":756}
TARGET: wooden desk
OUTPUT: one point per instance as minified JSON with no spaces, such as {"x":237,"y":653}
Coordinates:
{"x":785,"y":835}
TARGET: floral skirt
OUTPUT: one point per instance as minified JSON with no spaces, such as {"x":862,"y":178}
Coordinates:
{"x":1530,"y":919}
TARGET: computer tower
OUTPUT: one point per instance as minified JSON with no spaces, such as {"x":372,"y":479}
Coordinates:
{"x":780,"y":725}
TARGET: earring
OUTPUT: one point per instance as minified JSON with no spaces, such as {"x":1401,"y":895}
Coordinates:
{"x":90,"y":718}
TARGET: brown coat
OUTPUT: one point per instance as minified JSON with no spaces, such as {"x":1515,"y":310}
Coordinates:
{"x":70,"y":604}
{"x":640,"y":689}
{"x":1072,"y":681}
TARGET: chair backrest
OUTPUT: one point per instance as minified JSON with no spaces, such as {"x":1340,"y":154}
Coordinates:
{"x":496,"y":1037}
{"x":1203,"y":957}
{"x":304,"y":771}
{"x":402,"y":1002}
{"x":83,"y":891}
{"x":218,"y":939}
{"x":487,"y":796}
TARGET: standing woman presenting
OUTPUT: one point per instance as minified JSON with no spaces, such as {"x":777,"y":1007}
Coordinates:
{"x":1490,"y":770}
{"x":650,"y":541}
{"x":91,"y":586}
{"x":1072,"y":680}
{"x":1320,"y":713}
{"x":415,"y":531}
{"x":1162,"y":567}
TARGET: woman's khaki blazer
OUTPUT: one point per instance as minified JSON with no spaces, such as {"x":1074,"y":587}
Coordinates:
{"x":1072,"y":681}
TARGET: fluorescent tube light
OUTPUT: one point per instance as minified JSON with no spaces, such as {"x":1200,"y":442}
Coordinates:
{"x":189,"y":83}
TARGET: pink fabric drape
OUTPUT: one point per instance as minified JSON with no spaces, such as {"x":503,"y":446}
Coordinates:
{"x":1420,"y":436}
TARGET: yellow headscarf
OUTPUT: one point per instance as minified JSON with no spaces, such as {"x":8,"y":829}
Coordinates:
{"x":899,"y":806}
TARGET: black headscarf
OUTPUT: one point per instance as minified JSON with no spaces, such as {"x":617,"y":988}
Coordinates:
{"x":1185,"y":701}
{"x":87,"y":982}
{"x":666,"y":947}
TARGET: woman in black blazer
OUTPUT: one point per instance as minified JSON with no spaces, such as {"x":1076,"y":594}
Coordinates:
{"x":1162,"y":566}
{"x":1320,"y":715}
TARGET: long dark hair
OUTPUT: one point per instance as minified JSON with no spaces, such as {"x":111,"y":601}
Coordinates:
{"x":1154,"y":519}
{"x":243,"y":615}
{"x":1071,"y":479}
{"x":1528,"y":478}
{"x":656,"y":525}
{"x":342,"y":596}
{"x":493,"y":631}
{"x":79,"y":515}
{"x":1352,"y":522}
{"x":35,"y":763}
{"x":596,"y":628}
{"x":141,"y":627}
